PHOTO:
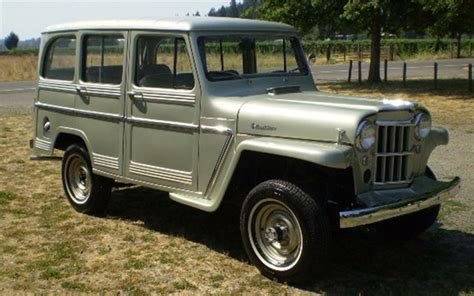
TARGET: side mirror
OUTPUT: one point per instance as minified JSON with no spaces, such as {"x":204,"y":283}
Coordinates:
{"x":312,"y":58}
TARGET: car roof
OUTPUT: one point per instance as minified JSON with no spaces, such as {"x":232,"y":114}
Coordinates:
{"x":176,"y":24}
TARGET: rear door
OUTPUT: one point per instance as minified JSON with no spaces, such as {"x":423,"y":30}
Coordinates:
{"x":162,"y":126}
{"x":101,"y":90}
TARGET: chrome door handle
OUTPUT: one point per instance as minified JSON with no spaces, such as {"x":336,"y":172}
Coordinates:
{"x":81,"y":90}
{"x":135,"y":95}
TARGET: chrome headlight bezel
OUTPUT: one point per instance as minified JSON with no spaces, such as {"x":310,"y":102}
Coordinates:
{"x":422,"y":125}
{"x":365,"y":136}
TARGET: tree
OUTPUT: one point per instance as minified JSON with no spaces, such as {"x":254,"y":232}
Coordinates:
{"x":212,"y":12}
{"x":222,"y":12}
{"x":11,"y":41}
{"x":361,"y":15}
{"x":236,"y":9}
{"x":233,"y":11}
{"x":451,"y":17}
{"x":197,"y":13}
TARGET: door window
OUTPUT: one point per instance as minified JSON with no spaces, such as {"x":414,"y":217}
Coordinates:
{"x":163,"y":62}
{"x":103,"y":59}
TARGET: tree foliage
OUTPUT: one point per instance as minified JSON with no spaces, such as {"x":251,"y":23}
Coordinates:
{"x":451,"y":18}
{"x":11,"y":41}
{"x":440,"y":17}
{"x":236,"y":9}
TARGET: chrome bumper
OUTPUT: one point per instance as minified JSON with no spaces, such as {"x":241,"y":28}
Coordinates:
{"x":414,"y":202}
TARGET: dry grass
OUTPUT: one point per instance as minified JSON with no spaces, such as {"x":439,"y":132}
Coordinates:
{"x":147,"y":244}
{"x":13,"y":68}
{"x":451,"y":104}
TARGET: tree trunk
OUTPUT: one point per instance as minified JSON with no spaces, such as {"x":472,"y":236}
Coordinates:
{"x":375,"y":31}
{"x":458,"y":50}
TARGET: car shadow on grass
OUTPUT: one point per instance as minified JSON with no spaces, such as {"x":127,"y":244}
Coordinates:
{"x":440,"y":262}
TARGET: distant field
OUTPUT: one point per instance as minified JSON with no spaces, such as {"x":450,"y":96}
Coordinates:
{"x":147,"y":244}
{"x":16,"y":68}
{"x":21,"y":64}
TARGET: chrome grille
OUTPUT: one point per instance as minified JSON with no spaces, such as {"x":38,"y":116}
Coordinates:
{"x":394,"y":153}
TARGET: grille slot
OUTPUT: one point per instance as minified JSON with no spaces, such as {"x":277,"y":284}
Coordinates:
{"x":393,"y":157}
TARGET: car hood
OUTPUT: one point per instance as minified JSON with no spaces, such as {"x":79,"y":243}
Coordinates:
{"x":310,"y":115}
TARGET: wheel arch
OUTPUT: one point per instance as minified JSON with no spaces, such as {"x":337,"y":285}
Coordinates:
{"x":68,"y":136}
{"x":281,"y":159}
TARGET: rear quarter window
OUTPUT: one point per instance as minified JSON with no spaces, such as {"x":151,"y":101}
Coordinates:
{"x":60,"y":58}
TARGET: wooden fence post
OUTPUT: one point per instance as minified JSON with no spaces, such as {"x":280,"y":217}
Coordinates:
{"x":470,"y":77}
{"x":360,"y":72}
{"x":349,"y":77}
{"x":345,"y":52}
{"x":385,"y":67}
{"x":404,"y":73}
{"x":436,"y":75}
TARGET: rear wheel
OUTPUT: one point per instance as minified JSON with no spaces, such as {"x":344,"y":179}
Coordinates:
{"x":410,"y":226}
{"x":85,"y":191}
{"x":285,"y":232}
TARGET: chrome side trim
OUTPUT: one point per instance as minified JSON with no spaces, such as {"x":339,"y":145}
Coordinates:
{"x":105,"y":161}
{"x":66,"y":86}
{"x":220,"y":160}
{"x":80,"y":112}
{"x":169,"y":98}
{"x":189,"y":127}
{"x":161,"y":173}
{"x":42,"y":144}
{"x":216,"y":130}
{"x":101,"y":90}
{"x":353,"y":218}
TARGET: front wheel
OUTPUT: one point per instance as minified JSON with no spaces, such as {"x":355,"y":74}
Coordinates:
{"x":285,"y":231}
{"x":85,"y":191}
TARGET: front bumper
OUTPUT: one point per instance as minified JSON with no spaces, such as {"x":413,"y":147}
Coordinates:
{"x":422,"y":194}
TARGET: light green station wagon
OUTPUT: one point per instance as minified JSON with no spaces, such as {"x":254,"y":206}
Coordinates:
{"x":215,"y":110}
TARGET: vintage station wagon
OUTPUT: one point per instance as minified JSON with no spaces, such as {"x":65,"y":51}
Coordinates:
{"x":217,"y":110}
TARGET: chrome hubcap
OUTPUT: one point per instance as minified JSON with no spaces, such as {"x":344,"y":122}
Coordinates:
{"x":78,"y":179}
{"x":275,"y":234}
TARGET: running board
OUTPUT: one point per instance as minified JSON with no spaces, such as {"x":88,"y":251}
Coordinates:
{"x":40,"y":158}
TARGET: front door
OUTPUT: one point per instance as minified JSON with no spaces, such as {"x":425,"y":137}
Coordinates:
{"x":162,"y":113}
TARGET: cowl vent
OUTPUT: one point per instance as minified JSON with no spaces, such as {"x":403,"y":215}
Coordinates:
{"x":283,"y":90}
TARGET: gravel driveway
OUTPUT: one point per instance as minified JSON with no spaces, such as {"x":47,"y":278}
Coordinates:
{"x":457,"y":159}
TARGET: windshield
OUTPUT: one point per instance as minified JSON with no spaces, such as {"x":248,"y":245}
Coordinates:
{"x":237,"y":57}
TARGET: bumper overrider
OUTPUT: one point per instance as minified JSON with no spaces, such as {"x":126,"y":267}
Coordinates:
{"x":390,"y":203}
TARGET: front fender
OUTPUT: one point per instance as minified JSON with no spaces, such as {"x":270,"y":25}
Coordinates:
{"x":437,"y":136}
{"x":324,"y":154}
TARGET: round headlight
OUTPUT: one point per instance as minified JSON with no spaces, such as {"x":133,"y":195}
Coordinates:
{"x":365,"y":137}
{"x":423,"y":125}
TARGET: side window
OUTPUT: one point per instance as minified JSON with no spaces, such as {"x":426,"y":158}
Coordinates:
{"x":103,"y":59}
{"x":163,"y":62}
{"x":60,"y":59}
